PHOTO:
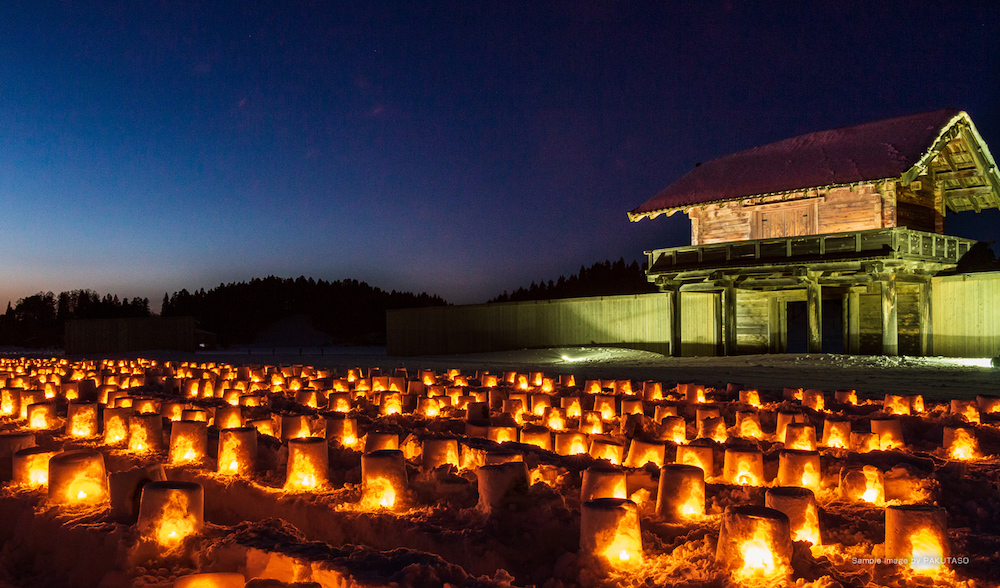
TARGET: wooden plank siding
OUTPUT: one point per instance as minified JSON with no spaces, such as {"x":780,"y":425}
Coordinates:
{"x":700,"y":323}
{"x":966,"y":315}
{"x":641,"y":322}
{"x":753,"y":322}
{"x":832,"y":210}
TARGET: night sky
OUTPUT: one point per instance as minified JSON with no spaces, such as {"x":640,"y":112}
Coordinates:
{"x":459,"y":148}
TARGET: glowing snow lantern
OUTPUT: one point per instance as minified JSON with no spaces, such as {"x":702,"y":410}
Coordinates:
{"x":537,"y":436}
{"x":917,"y":534}
{"x":490,"y":381}
{"x":607,"y":449}
{"x":846,"y":397}
{"x":967,"y":409}
{"x":664,"y":410}
{"x":145,"y":433}
{"x":116,"y":425}
{"x":228,"y":417}
{"x":785,"y":418}
{"x":960,"y":443}
{"x":642,"y":452}
{"x":713,"y":428}
{"x":307,"y":397}
{"x":81,"y":420}
{"x":295,"y":426}
{"x":343,"y":431}
{"x":438,"y":452}
{"x":211,"y":580}
{"x":813,"y":399}
{"x":570,"y":443}
{"x":539,"y":403}
{"x":799,"y":504}
{"x":632,"y":406}
{"x":800,"y":436}
{"x":799,"y":468}
{"x":31,"y":466}
{"x":78,"y":477}
{"x":515,"y":408}
{"x":383,"y":479}
{"x":340,"y":401}
{"x":694,"y":393}
{"x":10,"y":402}
{"x":609,"y":530}
{"x":264,"y":426}
{"x":237,"y":453}
{"x":378,"y":440}
{"x":986,"y":404}
{"x":748,"y":424}
{"x":652,"y":391}
{"x":605,"y":405}
{"x":591,"y":423}
{"x":754,"y":543}
{"x":681,"y":492}
{"x":194,"y":414}
{"x":41,"y":415}
{"x":836,"y":433}
{"x":792,"y":393}
{"x":169,"y":512}
{"x":554,"y":419}
{"x":146,"y":405}
{"x":751,"y":397}
{"x":896,"y":404}
{"x":308,"y":464}
{"x":428,"y":407}
{"x":188,"y":442}
{"x":864,"y":442}
{"x":603,"y":480}
{"x":251,"y":400}
{"x":391,"y":403}
{"x":673,"y":428}
{"x":697,"y":455}
{"x":864,"y":484}
{"x":172,"y":411}
{"x":592,"y":386}
{"x":743,"y":467}
{"x":889,"y":432}
{"x":500,"y":434}
{"x":916,"y":403}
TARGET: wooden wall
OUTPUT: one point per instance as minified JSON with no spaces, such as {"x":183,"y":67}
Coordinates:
{"x":639,"y":322}
{"x":132,"y":334}
{"x":700,"y":330}
{"x":966,"y":315}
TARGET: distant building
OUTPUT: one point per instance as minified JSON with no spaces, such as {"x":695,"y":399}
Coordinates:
{"x":823,"y":242}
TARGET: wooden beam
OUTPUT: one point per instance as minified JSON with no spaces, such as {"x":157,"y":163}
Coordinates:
{"x":890,"y":324}
{"x":814,"y":315}
{"x":972,"y":172}
{"x":775,"y":325}
{"x":853,"y":323}
{"x":967,"y":192}
{"x":674,"y":295}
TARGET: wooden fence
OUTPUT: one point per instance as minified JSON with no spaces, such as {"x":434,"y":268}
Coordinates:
{"x":132,"y":334}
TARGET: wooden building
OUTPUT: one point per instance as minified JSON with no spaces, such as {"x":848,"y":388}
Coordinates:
{"x":827,"y":241}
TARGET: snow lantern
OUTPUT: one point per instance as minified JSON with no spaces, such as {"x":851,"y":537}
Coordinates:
{"x":78,"y":477}
{"x":751,"y":397}
{"x":862,"y":484}
{"x":673,"y":428}
{"x":743,"y":467}
{"x":171,"y":511}
{"x":228,"y":417}
{"x":237,"y":453}
{"x":308,"y":464}
{"x":538,"y":436}
{"x":31,"y":466}
{"x":681,"y":493}
{"x":342,"y":430}
{"x":295,"y":426}
{"x":211,"y":580}
{"x":41,"y":415}
{"x":603,"y":480}
{"x":889,"y":432}
{"x":697,"y":455}
{"x":800,"y":436}
{"x":799,"y":468}
{"x":500,"y":482}
{"x":609,"y":530}
{"x":754,"y":543}
{"x":81,"y":419}
{"x":188,"y":442}
{"x":836,"y":433}
{"x":145,"y":433}
{"x":607,"y":449}
{"x":383,"y":479}
{"x":799,"y":505}
{"x":438,"y":452}
{"x":642,"y":452}
{"x":748,"y":424}
{"x":961,"y":443}
{"x":917,"y":535}
{"x":570,"y":443}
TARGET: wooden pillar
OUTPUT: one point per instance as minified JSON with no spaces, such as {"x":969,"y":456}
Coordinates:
{"x":814,"y":316}
{"x":925,"y":309}
{"x":729,"y":319}
{"x":890,"y":325}
{"x":674,"y":294}
{"x":776,"y":325}
{"x":852,"y":323}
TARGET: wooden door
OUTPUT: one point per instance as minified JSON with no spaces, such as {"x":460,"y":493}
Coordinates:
{"x":787,"y":222}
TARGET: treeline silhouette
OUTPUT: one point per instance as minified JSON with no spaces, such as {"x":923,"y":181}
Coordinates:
{"x":600,"y":279}
{"x":348,"y":311}
{"x":39,"y":320}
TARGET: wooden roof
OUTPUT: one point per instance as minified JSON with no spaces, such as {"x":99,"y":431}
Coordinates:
{"x":942,"y":144}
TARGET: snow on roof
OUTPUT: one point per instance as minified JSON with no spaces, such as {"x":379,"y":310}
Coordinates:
{"x":872,"y":151}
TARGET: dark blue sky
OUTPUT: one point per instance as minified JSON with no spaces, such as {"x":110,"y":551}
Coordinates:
{"x":459,"y":148}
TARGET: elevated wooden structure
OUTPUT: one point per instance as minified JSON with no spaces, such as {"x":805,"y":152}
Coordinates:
{"x":846,"y":215}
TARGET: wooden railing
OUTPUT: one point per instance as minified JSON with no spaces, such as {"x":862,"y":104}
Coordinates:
{"x":893,"y":243}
